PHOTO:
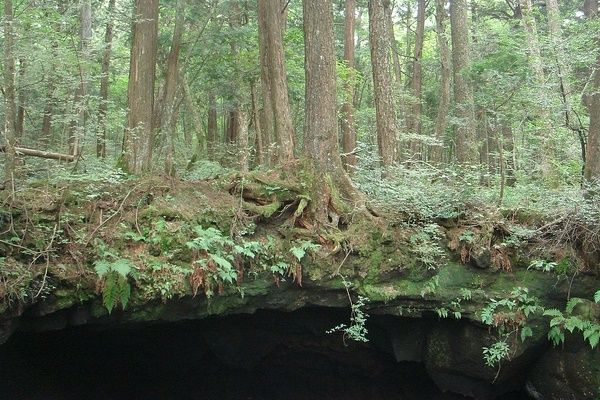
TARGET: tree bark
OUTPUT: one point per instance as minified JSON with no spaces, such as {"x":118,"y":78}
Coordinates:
{"x":348,"y":128}
{"x":39,"y":153}
{"x":321,"y":147}
{"x":466,"y":148}
{"x":79,"y":121}
{"x":171,"y":81}
{"x":104,"y":82}
{"x":591,"y":171}
{"x":211,"y":130}
{"x":441,"y":121}
{"x":267,"y":119}
{"x":414,"y":117}
{"x":137,"y":143}
{"x":382,"y":82}
{"x":258,"y":136}
{"x":9,"y":96}
{"x":21,"y":100}
{"x":283,"y":127}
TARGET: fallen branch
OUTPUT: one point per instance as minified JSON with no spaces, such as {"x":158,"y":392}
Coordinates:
{"x":39,"y":153}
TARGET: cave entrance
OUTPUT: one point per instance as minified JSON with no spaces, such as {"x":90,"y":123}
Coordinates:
{"x":266,"y":355}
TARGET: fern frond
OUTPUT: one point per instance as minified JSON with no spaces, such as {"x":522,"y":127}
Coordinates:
{"x":572,"y":303}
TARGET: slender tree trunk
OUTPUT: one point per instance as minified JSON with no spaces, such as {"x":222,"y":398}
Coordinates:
{"x":267,"y":118}
{"x":395,"y":52}
{"x":284,"y":131}
{"x":348,"y":128}
{"x":243,"y":140}
{"x":9,"y":96}
{"x":258,"y":136}
{"x":48,"y":108}
{"x":137,"y":143}
{"x":79,"y":121}
{"x":104,"y":82}
{"x":382,"y":79}
{"x":21,"y":100}
{"x":211,"y":130}
{"x":466,"y":148}
{"x":171,"y":82}
{"x":414,"y":118}
{"x":592,"y":164}
{"x":441,"y":121}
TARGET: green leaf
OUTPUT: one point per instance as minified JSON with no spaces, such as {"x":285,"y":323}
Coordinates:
{"x":572,"y":303}
{"x":122,"y":266}
{"x":102,"y":267}
{"x":553,"y":312}
{"x":597,"y":297}
{"x":526,"y":332}
{"x":298,"y":252}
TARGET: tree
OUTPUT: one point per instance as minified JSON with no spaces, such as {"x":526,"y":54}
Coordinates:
{"x":466,"y":149}
{"x":137,"y":142}
{"x":441,"y":120}
{"x":9,"y":95}
{"x":382,"y":82}
{"x":321,"y":147}
{"x":348,"y":128}
{"x":592,"y":165}
{"x":171,"y":80}
{"x":276,"y":77}
{"x":104,"y":82}
{"x":414,"y":116}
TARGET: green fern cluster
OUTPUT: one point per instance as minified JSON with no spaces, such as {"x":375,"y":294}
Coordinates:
{"x":566,"y":321}
{"x":114,"y":282}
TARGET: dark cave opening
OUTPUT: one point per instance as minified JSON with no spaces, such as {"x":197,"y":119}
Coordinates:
{"x":266,"y":355}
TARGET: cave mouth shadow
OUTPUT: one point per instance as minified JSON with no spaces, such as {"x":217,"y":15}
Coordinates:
{"x":266,"y":355}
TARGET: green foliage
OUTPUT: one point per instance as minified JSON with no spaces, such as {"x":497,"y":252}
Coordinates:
{"x":425,"y":244}
{"x":497,"y":352}
{"x":357,"y":329}
{"x":597,"y":297}
{"x":431,"y":286}
{"x":561,"y":322}
{"x":203,"y":170}
{"x":542,"y":265}
{"x":467,"y":236}
{"x":114,"y":281}
{"x":301,"y":247}
{"x":509,"y":316}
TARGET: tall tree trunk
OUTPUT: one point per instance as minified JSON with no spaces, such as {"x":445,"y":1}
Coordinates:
{"x":104,"y":82}
{"x":9,"y":96}
{"x":79,"y":121}
{"x":258,"y":137}
{"x":466,"y":148}
{"x":321,"y":147}
{"x":211,"y":130}
{"x":414,"y":117}
{"x":267,"y":119}
{"x":592,"y":165}
{"x":382,"y":82}
{"x":137,"y":143}
{"x":21,"y":100}
{"x":284,"y":131}
{"x":242,"y":117}
{"x":395,"y":52}
{"x":348,"y":128}
{"x":171,"y":82}
{"x":441,"y":121}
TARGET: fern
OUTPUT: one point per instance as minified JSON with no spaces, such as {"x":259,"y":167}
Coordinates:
{"x":572,"y":303}
{"x":597,"y":297}
{"x":114,"y":282}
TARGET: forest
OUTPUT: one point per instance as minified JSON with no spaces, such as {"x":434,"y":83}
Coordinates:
{"x":427,"y":160}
